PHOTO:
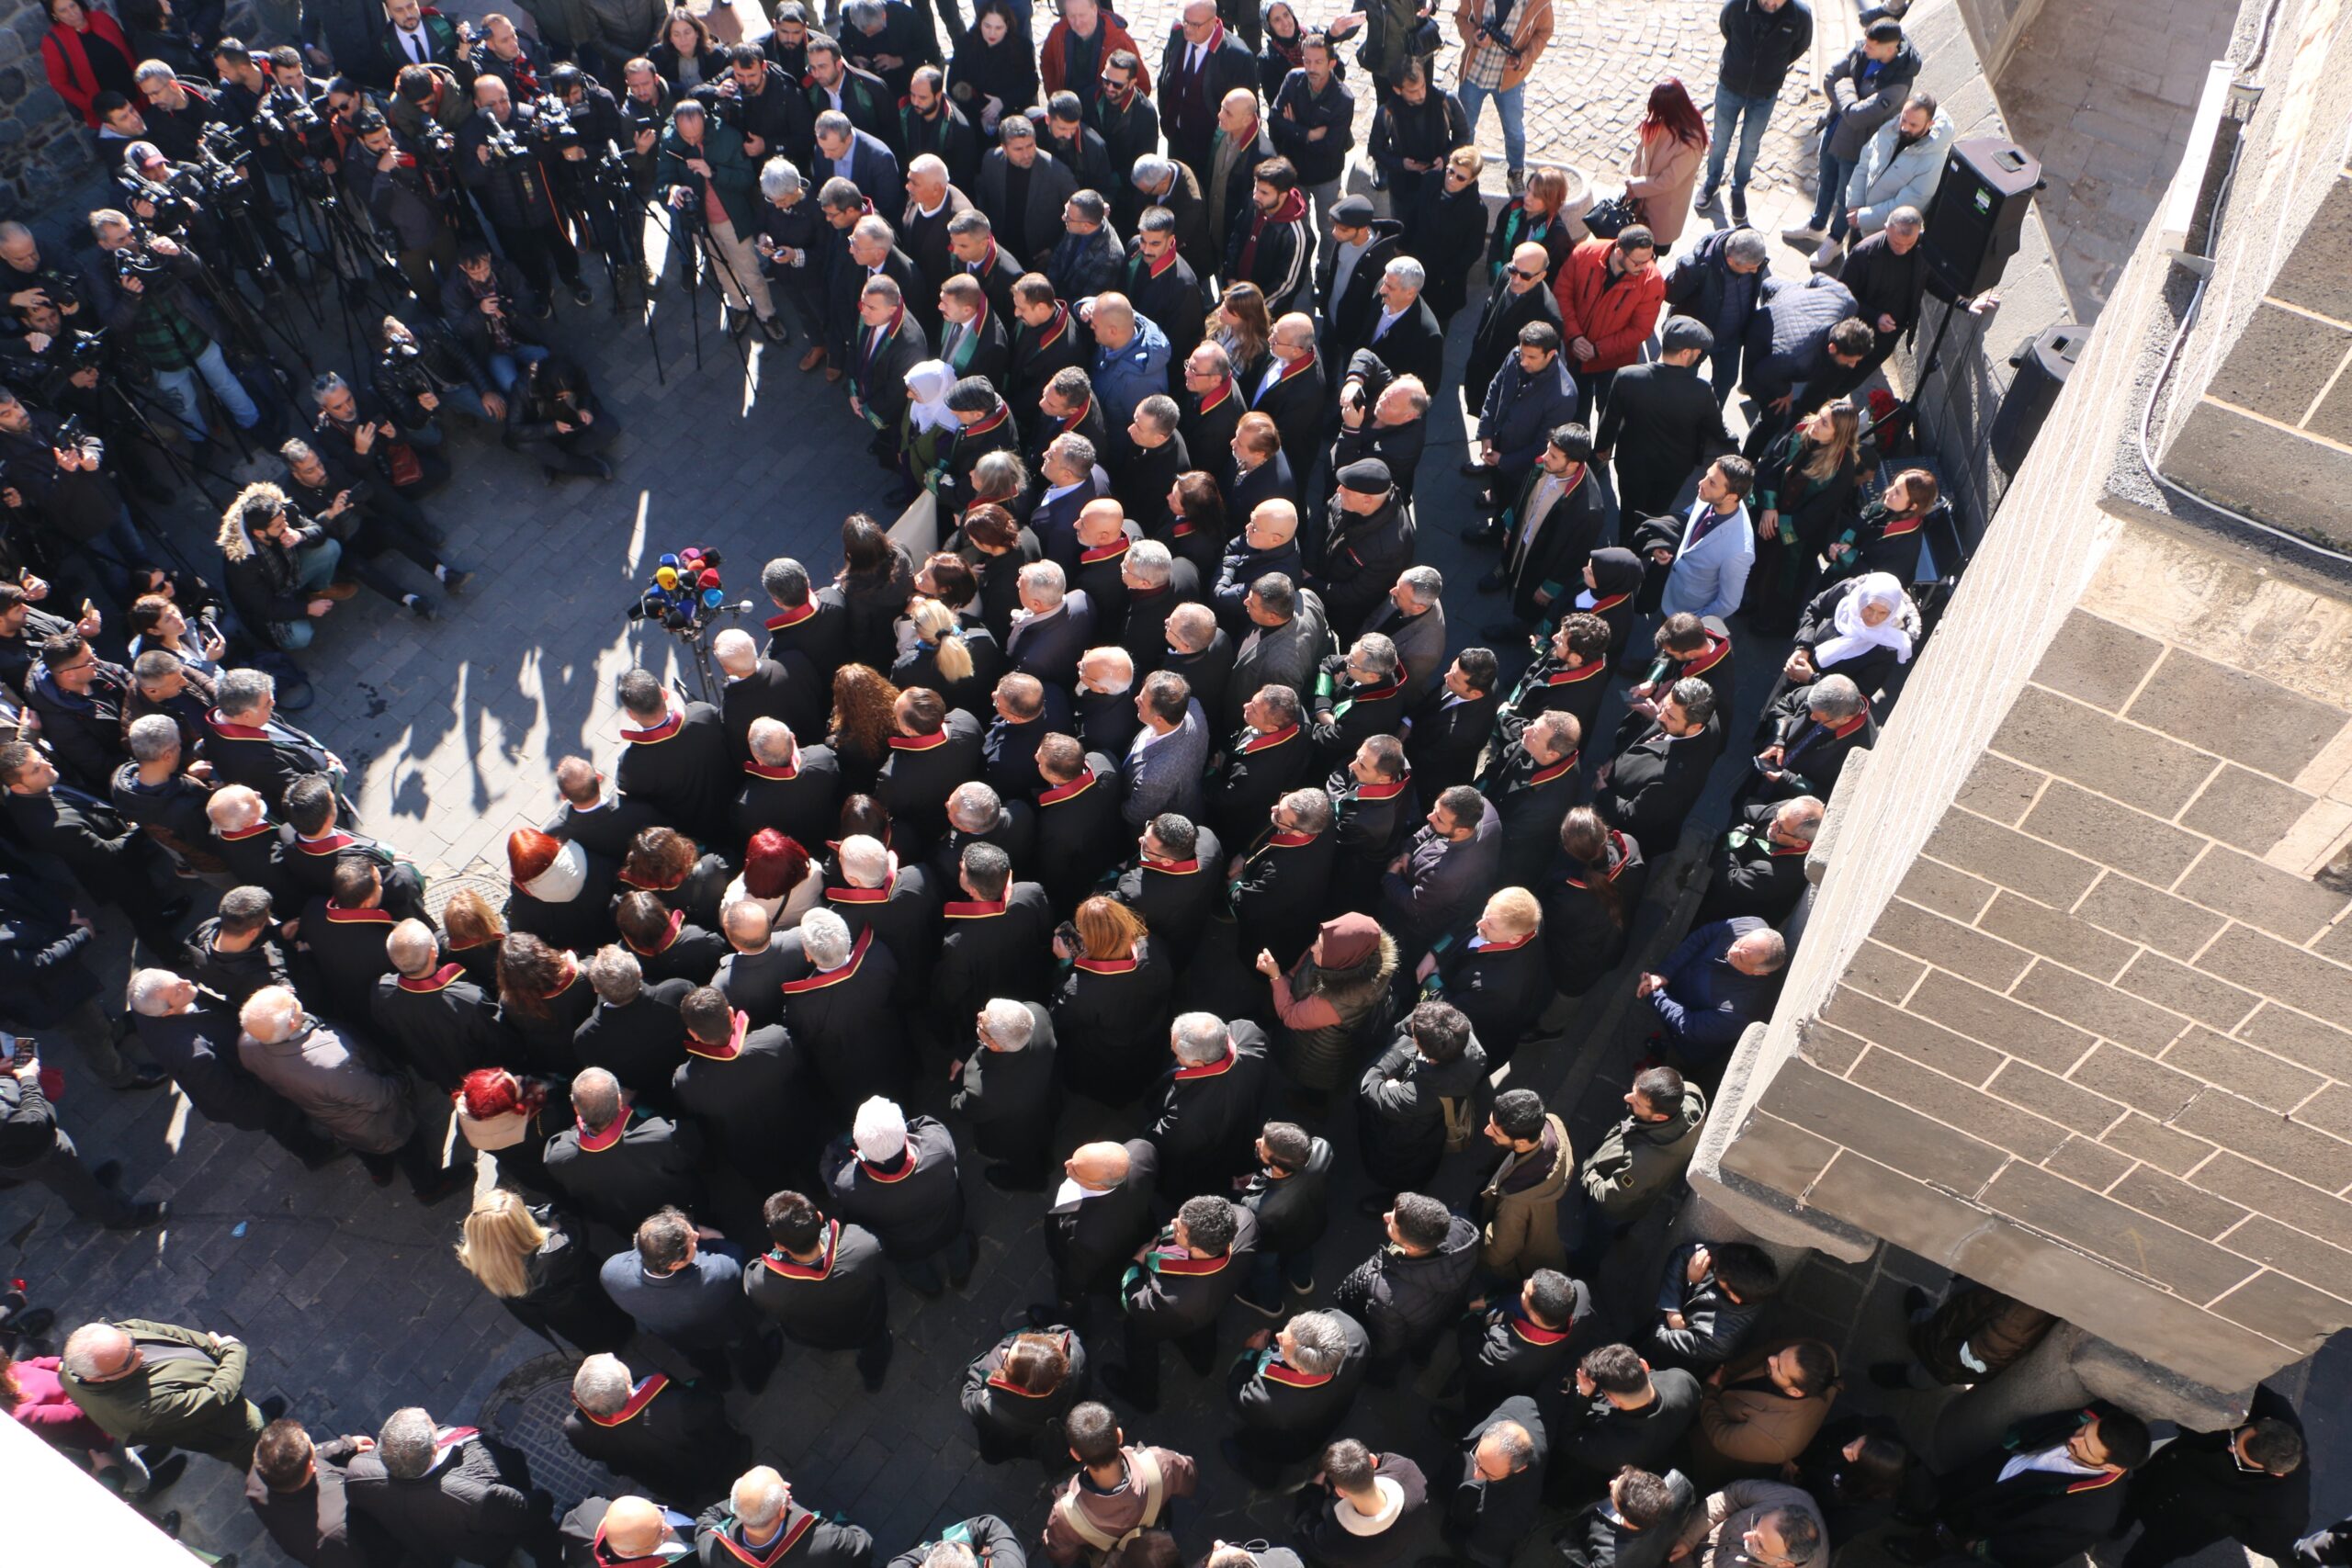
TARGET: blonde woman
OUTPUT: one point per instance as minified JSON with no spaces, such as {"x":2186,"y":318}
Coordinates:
{"x":1804,"y":484}
{"x":536,"y":1262}
{"x":957,"y":659}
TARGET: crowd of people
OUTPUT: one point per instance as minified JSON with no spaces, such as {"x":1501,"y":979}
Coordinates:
{"x":1147,"y":774}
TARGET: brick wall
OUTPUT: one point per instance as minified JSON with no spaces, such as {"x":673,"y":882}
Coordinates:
{"x":2102,"y":1007}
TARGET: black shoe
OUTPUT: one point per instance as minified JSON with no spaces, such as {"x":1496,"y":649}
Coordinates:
{"x":146,"y":1214}
{"x":1488,"y":534}
{"x":34,"y":1324}
{"x":107,"y":1172}
{"x":423,"y":608}
{"x":1739,"y":209}
{"x":1120,"y":1385}
{"x":169,"y":1523}
{"x":1477,"y":471}
{"x":738,"y":322}
{"x":164,"y":1473}
{"x":1914,"y":1301}
{"x":295,"y":696}
{"x":173,"y":914}
{"x":604,"y":468}
{"x":445,"y":1186}
{"x":957,"y":1278}
{"x":1494,"y":581}
{"x":773,"y":329}
{"x":273,"y":1407}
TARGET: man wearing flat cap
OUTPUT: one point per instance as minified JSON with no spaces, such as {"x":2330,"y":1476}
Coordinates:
{"x":1369,"y":540}
{"x":1346,"y":281}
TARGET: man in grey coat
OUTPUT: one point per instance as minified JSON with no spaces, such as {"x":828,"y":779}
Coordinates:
{"x":1865,"y":90}
{"x":333,"y":1080}
{"x":1445,"y":873}
{"x":1757,"y":1521}
{"x":1164,"y":764}
{"x":1287,"y":639}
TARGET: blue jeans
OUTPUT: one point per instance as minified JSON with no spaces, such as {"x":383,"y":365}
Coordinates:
{"x":1751,"y":115}
{"x":317,"y":569}
{"x":1830,"y":206}
{"x":177,"y":387}
{"x":507,"y":368}
{"x":1510,"y":106}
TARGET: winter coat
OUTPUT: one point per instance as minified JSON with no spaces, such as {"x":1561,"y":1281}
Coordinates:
{"x":1745,"y":1422}
{"x":1760,"y":46}
{"x":1638,"y":1160}
{"x":1714,"y":1327}
{"x":1860,"y":100}
{"x":1522,"y":1232}
{"x":1616,"y":320}
{"x":1660,"y":179}
{"x":1975,"y":1333}
{"x":1403,"y":1301}
{"x":1125,"y":378}
{"x":1408,"y":1109}
{"x":1889,"y":175}
{"x":189,"y":1393}
{"x":337,"y":1084}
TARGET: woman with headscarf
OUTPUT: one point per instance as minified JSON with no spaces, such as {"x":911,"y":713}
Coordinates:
{"x":1336,"y":993}
{"x":1863,"y":628}
{"x":1611,"y":577}
{"x":1113,"y":1004}
{"x":563,"y":894}
{"x":1802,"y":483}
{"x":928,"y":427}
{"x":1284,"y":50}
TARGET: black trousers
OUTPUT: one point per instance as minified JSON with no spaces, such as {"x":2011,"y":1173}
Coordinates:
{"x":542,"y":254}
{"x":1142,"y":1343}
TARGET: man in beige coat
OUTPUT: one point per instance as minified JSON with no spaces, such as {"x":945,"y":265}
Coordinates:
{"x":337,"y":1084}
{"x":1521,"y":1202}
{"x":1760,"y":1409}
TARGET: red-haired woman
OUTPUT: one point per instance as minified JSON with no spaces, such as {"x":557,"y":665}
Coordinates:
{"x":511,"y":1117}
{"x":1664,"y":169}
{"x":778,"y":875}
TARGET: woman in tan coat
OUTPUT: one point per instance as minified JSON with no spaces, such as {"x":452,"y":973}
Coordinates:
{"x":1664,"y":169}
{"x":1761,"y":1410}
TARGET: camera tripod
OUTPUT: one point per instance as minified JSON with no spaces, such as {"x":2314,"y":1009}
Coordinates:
{"x":695,"y":636}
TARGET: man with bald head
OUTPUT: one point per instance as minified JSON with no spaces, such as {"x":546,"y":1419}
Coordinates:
{"x":1268,"y":543}
{"x":1243,"y":141}
{"x":759,"y":961}
{"x":1100,"y":1214}
{"x":1130,"y":363}
{"x":1522,"y":298}
{"x":1104,"y":712}
{"x":779,"y":685}
{"x":623,"y":1532}
{"x":758,"y":1521}
{"x":434,"y":1019}
{"x":1291,"y":392}
{"x":1104,"y":534}
{"x":514,"y":194}
{"x":155,"y":1383}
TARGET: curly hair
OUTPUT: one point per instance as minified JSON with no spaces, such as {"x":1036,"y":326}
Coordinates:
{"x":864,"y":701}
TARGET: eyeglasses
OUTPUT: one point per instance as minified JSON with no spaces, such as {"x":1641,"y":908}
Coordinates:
{"x":1527,"y":277}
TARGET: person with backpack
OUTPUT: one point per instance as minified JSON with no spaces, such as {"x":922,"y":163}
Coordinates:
{"x":1119,"y":1492}
{"x":1424,"y":1099}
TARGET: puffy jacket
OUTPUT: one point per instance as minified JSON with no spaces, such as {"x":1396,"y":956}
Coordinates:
{"x":1888,"y":175}
{"x":1405,"y":1102}
{"x":1402,"y":1300}
{"x":260,"y":574}
{"x":1861,"y":100}
{"x":1760,"y":46}
{"x":1637,"y":1160}
{"x":1615,"y":320}
{"x":1125,"y":376}
{"x":1521,"y":411}
{"x":1715,"y":1325}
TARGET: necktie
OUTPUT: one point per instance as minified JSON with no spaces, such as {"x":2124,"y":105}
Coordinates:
{"x":1193,"y":61}
{"x":415,"y":41}
{"x":1708,"y":518}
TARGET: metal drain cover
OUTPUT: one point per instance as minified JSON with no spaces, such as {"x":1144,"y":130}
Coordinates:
{"x":527,"y":1409}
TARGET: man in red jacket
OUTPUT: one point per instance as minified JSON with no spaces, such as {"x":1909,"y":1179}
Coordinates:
{"x":1610,"y":294}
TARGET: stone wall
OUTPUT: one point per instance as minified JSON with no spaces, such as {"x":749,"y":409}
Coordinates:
{"x":2068,"y":1015}
{"x":45,"y":152}
{"x":1994,"y":26}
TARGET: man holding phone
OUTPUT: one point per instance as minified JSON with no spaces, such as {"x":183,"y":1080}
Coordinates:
{"x":33,"y":1147}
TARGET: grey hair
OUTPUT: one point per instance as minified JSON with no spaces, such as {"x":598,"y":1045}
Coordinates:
{"x":276,"y":1008}
{"x":929,"y":163}
{"x":296,"y":451}
{"x":949,"y":1554}
{"x":1010,"y":1025}
{"x":1151,"y":169}
{"x":832,"y":122}
{"x":1427,"y":584}
{"x":1076,"y":449}
{"x":404,"y":1443}
{"x":1408,"y":272}
{"x":872,"y":231}
{"x":241,"y":690}
{"x":771,"y":741}
{"x":616,"y":973}
{"x":1808,"y":812}
{"x":1905,"y":218}
{"x":1321,"y":1344}
{"x":1311,"y":806}
{"x":1748,"y":245}
{"x":81,"y":1357}
{"x":1150,"y":561}
{"x":857,"y":13}
{"x":864,"y":860}
{"x":824,"y":936}
{"x":967,"y":801}
{"x":153,"y":71}
{"x":1044,"y":580}
{"x":1016,"y":128}
{"x":1835,"y":696}
{"x":327,"y":381}
{"x":153,"y":738}
{"x":759,"y":1496}
{"x":1376,"y":647}
{"x":779,"y":179}
{"x":1198,"y":1037}
{"x":1281,"y":701}
{"x":1770,"y":945}
{"x":601,"y":1385}
{"x":148,"y":985}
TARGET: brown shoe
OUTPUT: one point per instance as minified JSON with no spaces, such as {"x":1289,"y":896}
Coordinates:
{"x":831,"y":375}
{"x":340,"y":590}
{"x":814,"y":358}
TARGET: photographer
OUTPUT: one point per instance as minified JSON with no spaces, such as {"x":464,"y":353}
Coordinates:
{"x":554,"y":417}
{"x":167,"y":198}
{"x":280,"y":568}
{"x":394,"y":188}
{"x":418,"y":374}
{"x":492,"y":312}
{"x":790,"y":244}
{"x":429,"y":95}
{"x":293,"y":113}
{"x":370,"y":522}
{"x":157,"y":318}
{"x":507,"y":178}
{"x":712,"y":185}
{"x":592,"y":128}
{"x":55,"y":481}
{"x":500,"y":54}
{"x":362,"y":436}
{"x":772,"y":113}
{"x":32,"y":274}
{"x":177,"y":111}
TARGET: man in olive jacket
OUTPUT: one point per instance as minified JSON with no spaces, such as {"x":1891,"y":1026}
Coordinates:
{"x":714,"y":184}
{"x":154,"y":1382}
{"x":1643,"y":1155}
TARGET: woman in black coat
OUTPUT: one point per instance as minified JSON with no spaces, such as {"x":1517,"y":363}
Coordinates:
{"x":688,"y":56}
{"x":994,"y":60}
{"x":997,"y":548}
{"x":1887,"y":535}
{"x":1589,"y":901}
{"x":1446,"y":230}
{"x":1111,"y":1008}
{"x":875,"y":580}
{"x":1802,"y":485}
{"x":1863,"y":628}
{"x":1018,"y":1390}
{"x":536,"y":1261}
{"x":944,"y":642}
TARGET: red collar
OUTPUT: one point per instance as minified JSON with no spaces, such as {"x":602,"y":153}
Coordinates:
{"x":1187,"y":1268}
{"x":1897,"y":527}
{"x":1111,"y":552}
{"x":1072,"y":421}
{"x":1389,"y":791}
{"x":905,"y":1166}
{"x":791,"y":1267}
{"x":1171,"y":867}
{"x":1718,"y":648}
{"x":1265,"y":741}
{"x":661,"y":731}
{"x":1576,"y":674}
{"x":1851,"y":724}
{"x":334,"y":843}
{"x":1378,"y":693}
{"x":264,"y":825}
{"x":1291,"y":368}
{"x":597,"y":1142}
{"x":677,"y":923}
{"x":824,"y":977}
{"x":1060,"y":793}
{"x":1217,"y":399}
{"x":639,"y":1397}
{"x":1527,"y":1328}
{"x":727,"y":1053}
{"x":1624,"y":858}
{"x":1282,"y":1372}
{"x":1512,"y":946}
{"x":974,"y":909}
{"x":1602,"y":607}
{"x":1288,"y":840}
{"x":1126,"y":965}
{"x":1154,"y":269}
{"x":774,"y":771}
{"x":792,"y":617}
{"x":863,"y":895}
{"x":996,"y":417}
{"x":228,"y":731}
{"x":918,"y":742}
{"x":441,"y":979}
{"x":774,"y":1551}
{"x":1055,"y":327}
{"x":1546,"y":775}
{"x":341,"y":917}
{"x":1215,"y":1069}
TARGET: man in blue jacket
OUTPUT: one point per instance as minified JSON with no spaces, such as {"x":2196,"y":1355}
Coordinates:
{"x":1722,"y":979}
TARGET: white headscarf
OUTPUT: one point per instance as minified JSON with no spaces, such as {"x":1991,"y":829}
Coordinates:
{"x":928,"y":384}
{"x":1856,"y":636}
{"x":561,"y":882}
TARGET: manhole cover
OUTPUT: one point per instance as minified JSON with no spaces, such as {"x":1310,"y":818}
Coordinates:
{"x":527,"y":1409}
{"x":492,"y":885}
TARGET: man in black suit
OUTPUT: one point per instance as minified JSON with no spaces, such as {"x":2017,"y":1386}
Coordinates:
{"x":825,"y":1282}
{"x":1033,"y":226}
{"x":445,"y":1493}
{"x":198,"y":1049}
{"x":1177,"y":1292}
{"x":1156,"y":458}
{"x":437,"y":1021}
{"x":1280,"y":886}
{"x":1201,"y":63}
{"x":1532,"y":782}
{"x":1175,"y":881}
{"x":1027,"y":710}
{"x":998,"y":940}
{"x":809,"y":621}
{"x":633,"y":1032}
{"x":1401,"y":329}
{"x":1549,"y":532}
{"x":786,"y":687}
{"x":675,"y":759}
{"x":1413,"y":617}
{"x":2049,"y":1490}
{"x":1383,"y":415}
{"x":1156,"y":580}
{"x":1348,"y":272}
{"x":1066,"y":467}
{"x":1670,"y":422}
{"x":1079,"y":832}
{"x":247,"y":743}
{"x":1265,"y":758}
{"x":1758,"y":867}
{"x":617,"y":1166}
{"x":1266,"y":546}
{"x":1162,"y":283}
{"x":1199,"y":650}
{"x":1661,"y":766}
{"x":1523,"y":297}
{"x":315,"y":844}
{"x":594,"y":815}
{"x":1291,"y":392}
{"x":1007,"y":1085}
{"x":1211,"y":408}
{"x":978,"y":814}
{"x":935,"y":749}
{"x":1100,"y":1215}
{"x":115,"y":861}
{"x":889,"y":341}
{"x":1449,"y":730}
{"x":1815,"y":730}
{"x":759,"y":960}
{"x":1057,"y":626}
{"x":795,"y":789}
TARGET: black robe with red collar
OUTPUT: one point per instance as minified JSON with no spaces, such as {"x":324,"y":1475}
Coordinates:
{"x":1080,"y":834}
{"x":624,"y":1173}
{"x":1177,"y":899}
{"x":745,"y":1091}
{"x":1210,"y":1116}
{"x":833,"y":1303}
{"x":991,"y":948}
{"x":348,"y":946}
{"x":924,"y":771}
{"x":817,"y":630}
{"x":902,"y":915}
{"x":915,"y":1204}
{"x":309,"y":868}
{"x":801,"y":799}
{"x":805,"y":1541}
{"x":441,"y":1024}
{"x":850,"y":1023}
{"x":683,"y":769}
{"x":1285,"y":1414}
{"x":1257,"y":771}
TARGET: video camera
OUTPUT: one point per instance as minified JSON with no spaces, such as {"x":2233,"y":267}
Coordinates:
{"x":171,"y":210}
{"x":685,"y":594}
{"x":549,"y":125}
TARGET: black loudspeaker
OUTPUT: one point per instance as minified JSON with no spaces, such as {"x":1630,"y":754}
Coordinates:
{"x":1977,"y":215}
{"x":2042,"y":368}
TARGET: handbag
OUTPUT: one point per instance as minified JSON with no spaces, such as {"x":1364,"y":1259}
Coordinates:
{"x":1612,"y":218}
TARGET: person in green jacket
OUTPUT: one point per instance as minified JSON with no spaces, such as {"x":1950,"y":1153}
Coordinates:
{"x":154,"y":1382}
{"x":714,"y":189}
{"x":1644,"y":1153}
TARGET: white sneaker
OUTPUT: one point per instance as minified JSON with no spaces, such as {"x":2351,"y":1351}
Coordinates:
{"x":1832,"y":251}
{"x":1802,"y":236}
